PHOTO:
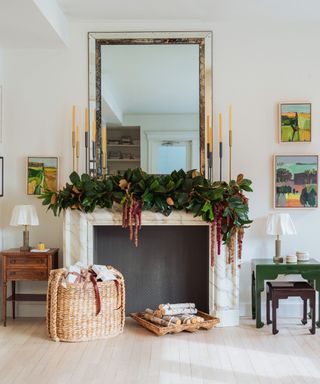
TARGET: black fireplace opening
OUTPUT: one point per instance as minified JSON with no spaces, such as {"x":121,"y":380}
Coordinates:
{"x":170,"y":264}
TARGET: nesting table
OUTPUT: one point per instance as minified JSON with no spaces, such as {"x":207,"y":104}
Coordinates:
{"x":267,"y":269}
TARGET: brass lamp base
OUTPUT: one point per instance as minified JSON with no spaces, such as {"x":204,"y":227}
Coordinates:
{"x":278,"y":258}
{"x":25,"y":247}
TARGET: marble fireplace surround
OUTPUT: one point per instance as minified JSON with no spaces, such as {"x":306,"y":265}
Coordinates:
{"x":78,"y":235}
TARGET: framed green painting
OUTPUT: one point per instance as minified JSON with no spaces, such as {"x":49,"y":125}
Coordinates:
{"x":42,"y":174}
{"x":295,"y":122}
{"x":296,"y":181}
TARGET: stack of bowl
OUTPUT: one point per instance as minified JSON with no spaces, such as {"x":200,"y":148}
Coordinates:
{"x":303,"y":255}
{"x":291,"y":258}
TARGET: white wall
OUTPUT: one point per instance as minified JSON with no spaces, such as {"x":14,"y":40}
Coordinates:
{"x":1,"y":145}
{"x":160,"y":122}
{"x":255,"y":67}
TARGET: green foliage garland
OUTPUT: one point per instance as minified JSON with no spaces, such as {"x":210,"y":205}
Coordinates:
{"x":220,"y":203}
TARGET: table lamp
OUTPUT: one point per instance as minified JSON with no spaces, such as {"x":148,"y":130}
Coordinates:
{"x":279,"y":224}
{"x":24,"y":215}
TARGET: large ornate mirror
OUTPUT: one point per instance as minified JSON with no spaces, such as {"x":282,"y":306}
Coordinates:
{"x":150,"y":101}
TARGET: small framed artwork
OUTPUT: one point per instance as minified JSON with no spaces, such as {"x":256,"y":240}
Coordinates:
{"x":42,"y":174}
{"x":295,"y":122}
{"x":296,"y":181}
{"x":1,"y":176}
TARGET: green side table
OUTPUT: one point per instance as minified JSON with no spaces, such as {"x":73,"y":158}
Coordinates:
{"x":266,"y":269}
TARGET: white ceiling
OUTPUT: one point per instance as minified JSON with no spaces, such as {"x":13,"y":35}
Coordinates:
{"x":151,"y":78}
{"x":43,"y":23}
{"x":23,"y":25}
{"x":204,"y":10}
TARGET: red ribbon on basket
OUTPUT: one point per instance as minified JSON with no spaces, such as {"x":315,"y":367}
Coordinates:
{"x":83,"y":276}
{"x":86,"y":275}
{"x":96,"y":290}
{"x":117,"y":284}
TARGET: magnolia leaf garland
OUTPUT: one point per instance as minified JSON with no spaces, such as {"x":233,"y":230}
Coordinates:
{"x":222,"y":204}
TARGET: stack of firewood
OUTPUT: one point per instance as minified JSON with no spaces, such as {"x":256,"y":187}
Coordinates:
{"x":173,"y":314}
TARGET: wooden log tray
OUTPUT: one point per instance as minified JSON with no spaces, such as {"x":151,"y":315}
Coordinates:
{"x":160,"y":330}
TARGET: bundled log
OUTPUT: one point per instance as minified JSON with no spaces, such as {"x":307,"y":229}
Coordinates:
{"x":187,"y":319}
{"x":157,"y":313}
{"x":172,"y":319}
{"x":151,"y":312}
{"x":157,"y":320}
{"x":178,"y":309}
{"x":174,"y":322}
{"x":177,"y":305}
{"x":190,"y":319}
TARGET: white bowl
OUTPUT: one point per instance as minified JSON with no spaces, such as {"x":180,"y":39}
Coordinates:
{"x":291,"y":259}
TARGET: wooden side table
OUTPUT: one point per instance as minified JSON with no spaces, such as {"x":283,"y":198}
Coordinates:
{"x":25,"y":266}
{"x":267,"y":269}
{"x":284,"y":289}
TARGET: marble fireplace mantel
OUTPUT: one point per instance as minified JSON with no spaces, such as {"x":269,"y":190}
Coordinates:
{"x":78,"y":229}
{"x":78,"y":246}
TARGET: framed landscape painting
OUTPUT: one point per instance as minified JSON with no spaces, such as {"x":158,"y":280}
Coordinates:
{"x":296,"y":181}
{"x":42,"y":174}
{"x":295,"y":122}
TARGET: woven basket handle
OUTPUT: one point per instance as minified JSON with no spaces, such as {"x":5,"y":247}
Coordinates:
{"x":55,"y":279}
{"x":120,"y":289}
{"x":118,"y":274}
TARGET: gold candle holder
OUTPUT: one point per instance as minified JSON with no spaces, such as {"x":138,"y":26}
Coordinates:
{"x":77,"y":155}
{"x":73,"y":148}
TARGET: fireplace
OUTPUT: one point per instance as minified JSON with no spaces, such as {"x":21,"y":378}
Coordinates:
{"x":170,"y":265}
{"x":159,"y":235}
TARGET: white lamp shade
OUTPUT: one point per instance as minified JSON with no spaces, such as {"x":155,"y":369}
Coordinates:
{"x":280,"y":224}
{"x":24,"y":215}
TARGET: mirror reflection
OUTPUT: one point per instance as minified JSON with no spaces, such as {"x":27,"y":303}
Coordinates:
{"x":150,"y":105}
{"x":149,"y":94}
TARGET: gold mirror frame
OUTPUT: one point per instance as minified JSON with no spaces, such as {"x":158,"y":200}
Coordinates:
{"x":202,"y":39}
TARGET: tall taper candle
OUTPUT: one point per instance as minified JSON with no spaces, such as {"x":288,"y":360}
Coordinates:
{"x":230,"y":142}
{"x":73,"y":134}
{"x":94,"y":126}
{"x":220,"y":144}
{"x":93,"y":139}
{"x":104,"y":146}
{"x":209,"y":130}
{"x":220,"y":127}
{"x":77,"y":141}
{"x":86,"y":133}
{"x":77,"y":148}
{"x":86,"y":120}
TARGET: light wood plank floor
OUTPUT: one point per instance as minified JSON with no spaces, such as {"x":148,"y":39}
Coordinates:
{"x":223,"y":355}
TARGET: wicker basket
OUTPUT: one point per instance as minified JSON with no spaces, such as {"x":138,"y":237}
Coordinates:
{"x":71,"y":309}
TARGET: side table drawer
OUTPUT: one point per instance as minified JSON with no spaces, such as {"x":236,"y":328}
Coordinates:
{"x":27,"y":261}
{"x":31,"y":274}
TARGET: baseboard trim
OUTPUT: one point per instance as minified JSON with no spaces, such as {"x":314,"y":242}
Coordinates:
{"x":286,"y":309}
